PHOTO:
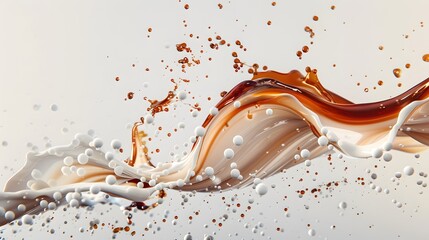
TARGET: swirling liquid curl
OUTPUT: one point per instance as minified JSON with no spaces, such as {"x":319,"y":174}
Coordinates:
{"x":280,"y":119}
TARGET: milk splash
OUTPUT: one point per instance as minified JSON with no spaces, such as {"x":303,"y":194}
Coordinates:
{"x":263,"y":126}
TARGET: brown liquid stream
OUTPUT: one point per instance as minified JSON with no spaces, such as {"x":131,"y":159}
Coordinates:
{"x":302,"y":110}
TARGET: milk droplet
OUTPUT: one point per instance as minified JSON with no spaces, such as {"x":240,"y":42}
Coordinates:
{"x":74,"y":203}
{"x":82,"y":158}
{"x":94,"y":189}
{"x":98,"y":143}
{"x":116,"y":144}
{"x":110,"y":179}
{"x":228,"y":153}
{"x":322,"y":141}
{"x":54,"y":107}
{"x":209,"y":171}
{"x":68,"y":161}
{"x":52,"y":206}
{"x":237,"y":104}
{"x":180,"y":183}
{"x":9,"y":215}
{"x":233,"y":165}
{"x":27,"y":219}
{"x":388,"y":146}
{"x":305,"y":153}
{"x":237,"y":140}
{"x":377,"y":152}
{"x":342,"y":205}
{"x":182,"y":95}
{"x":235,"y":173}
{"x":148,"y":119}
{"x":387,"y":157}
{"x":152,"y":182}
{"x":269,"y":112}
{"x":21,"y":207}
{"x":200,"y":131}
{"x":43,"y":204}
{"x":89,"y":152}
{"x":188,"y":236}
{"x":261,"y":189}
{"x":36,"y":107}
{"x":311,"y":232}
{"x":81,"y":172}
{"x":213,"y":111}
{"x":57,"y":196}
{"x":324,"y":130}
{"x":109,"y":156}
{"x":408,"y":170}
{"x":307,"y":163}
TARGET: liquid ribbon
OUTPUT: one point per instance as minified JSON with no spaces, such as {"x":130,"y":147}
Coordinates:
{"x":279,"y":116}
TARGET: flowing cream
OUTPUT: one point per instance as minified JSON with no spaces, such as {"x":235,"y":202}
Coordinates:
{"x":280,"y":116}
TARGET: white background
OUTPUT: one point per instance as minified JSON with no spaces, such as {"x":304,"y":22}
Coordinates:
{"x":68,"y":53}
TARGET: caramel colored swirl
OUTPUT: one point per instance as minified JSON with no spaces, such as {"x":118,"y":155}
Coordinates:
{"x":278,"y":116}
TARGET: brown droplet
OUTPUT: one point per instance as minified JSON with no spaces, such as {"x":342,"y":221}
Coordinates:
{"x":426,"y":57}
{"x":305,"y":49}
{"x":130,"y":95}
{"x":186,"y":6}
{"x":234,"y":54}
{"x":399,"y":84}
{"x":309,"y":30}
{"x":273,"y":4}
{"x":332,"y":7}
{"x":366,"y":89}
{"x":182,"y":47}
{"x":220,"y":6}
{"x":407,"y":65}
{"x":149,"y":29}
{"x":397,"y":72}
{"x":315,"y":18}
{"x":380,"y":47}
{"x":117,"y":78}
{"x":269,"y":23}
{"x":380,"y":83}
